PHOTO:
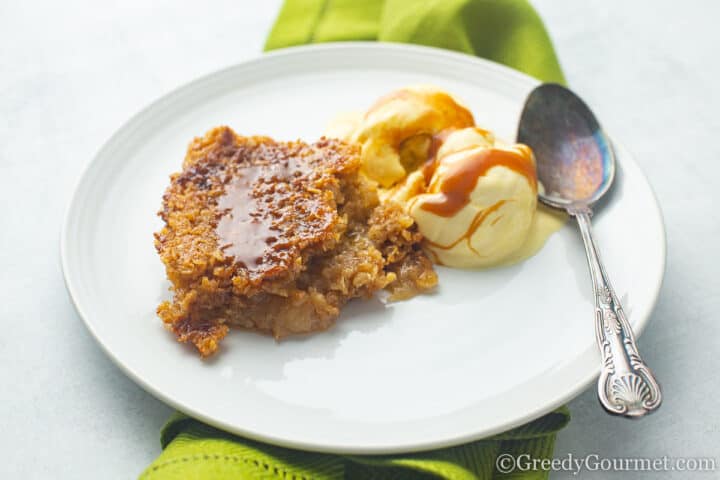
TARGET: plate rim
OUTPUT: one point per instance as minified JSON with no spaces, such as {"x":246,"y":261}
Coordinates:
{"x":329,"y":447}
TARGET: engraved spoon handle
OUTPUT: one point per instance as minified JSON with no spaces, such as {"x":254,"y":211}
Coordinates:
{"x":626,"y":385}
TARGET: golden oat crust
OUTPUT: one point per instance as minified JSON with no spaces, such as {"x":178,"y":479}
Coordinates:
{"x":276,"y":236}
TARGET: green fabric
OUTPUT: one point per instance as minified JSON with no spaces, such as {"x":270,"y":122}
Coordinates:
{"x":195,"y":451}
{"x":505,"y":31}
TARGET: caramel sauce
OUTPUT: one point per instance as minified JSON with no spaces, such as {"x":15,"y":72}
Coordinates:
{"x":243,"y":233}
{"x":479,"y":220}
{"x":460,"y":179}
{"x":458,"y":182}
{"x":428,"y":169}
{"x":474,"y":225}
{"x":247,"y":229}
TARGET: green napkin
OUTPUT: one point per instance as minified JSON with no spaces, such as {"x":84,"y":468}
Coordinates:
{"x":505,"y":31}
{"x":195,"y":451}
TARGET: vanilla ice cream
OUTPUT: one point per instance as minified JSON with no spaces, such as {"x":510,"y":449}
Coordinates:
{"x":399,"y":116}
{"x":473,"y":197}
{"x":478,"y":205}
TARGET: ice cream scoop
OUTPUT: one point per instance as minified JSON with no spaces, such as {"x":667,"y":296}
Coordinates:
{"x":404,"y":114}
{"x":475,"y":200}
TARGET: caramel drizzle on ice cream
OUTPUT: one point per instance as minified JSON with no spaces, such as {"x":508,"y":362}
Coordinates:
{"x":458,"y":182}
{"x":474,"y":225}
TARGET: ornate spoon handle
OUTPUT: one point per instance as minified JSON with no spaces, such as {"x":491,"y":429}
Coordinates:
{"x":626,"y":385}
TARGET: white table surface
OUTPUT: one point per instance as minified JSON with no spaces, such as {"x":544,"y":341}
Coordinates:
{"x":71,"y":72}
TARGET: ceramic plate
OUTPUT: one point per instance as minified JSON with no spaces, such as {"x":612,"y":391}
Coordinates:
{"x":489,"y":351}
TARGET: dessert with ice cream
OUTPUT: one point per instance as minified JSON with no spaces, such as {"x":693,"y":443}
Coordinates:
{"x":277,"y":237}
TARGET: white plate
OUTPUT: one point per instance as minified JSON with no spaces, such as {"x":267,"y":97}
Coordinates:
{"x":489,"y":351}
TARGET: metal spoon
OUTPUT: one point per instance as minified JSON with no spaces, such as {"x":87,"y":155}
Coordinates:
{"x":576,"y":166}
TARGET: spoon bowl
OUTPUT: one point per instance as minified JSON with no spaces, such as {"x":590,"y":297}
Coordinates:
{"x":575,"y":160}
{"x":575,"y":168}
